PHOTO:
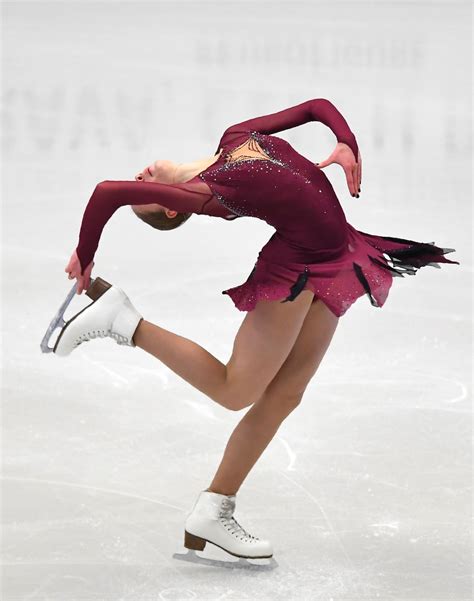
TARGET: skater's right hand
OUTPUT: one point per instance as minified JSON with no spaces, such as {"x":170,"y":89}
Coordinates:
{"x":73,"y":268}
{"x":343,"y":155}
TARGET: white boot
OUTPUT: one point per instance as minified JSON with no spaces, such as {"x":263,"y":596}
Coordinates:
{"x":111,"y":314}
{"x":211,"y":521}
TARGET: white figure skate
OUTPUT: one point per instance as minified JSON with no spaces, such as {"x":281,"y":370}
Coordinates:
{"x":212,"y":521}
{"x":111,"y":314}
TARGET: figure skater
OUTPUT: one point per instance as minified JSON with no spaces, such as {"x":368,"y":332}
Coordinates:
{"x":311,"y":270}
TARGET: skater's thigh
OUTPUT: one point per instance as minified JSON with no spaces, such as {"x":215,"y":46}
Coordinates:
{"x":263,"y":341}
{"x":311,"y":345}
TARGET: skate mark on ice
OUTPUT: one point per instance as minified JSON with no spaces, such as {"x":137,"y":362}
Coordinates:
{"x":462,"y":396}
{"x":110,"y":491}
{"x":111,"y":372}
{"x":202,"y":409}
{"x":291,"y":454}
{"x":330,"y":526}
{"x":417,"y":377}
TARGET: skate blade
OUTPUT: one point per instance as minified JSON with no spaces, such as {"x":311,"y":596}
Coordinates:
{"x":58,"y":320}
{"x":240,"y":563}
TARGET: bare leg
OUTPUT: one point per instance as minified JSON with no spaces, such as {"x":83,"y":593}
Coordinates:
{"x":260,"y":424}
{"x":261,"y":345}
{"x":247,"y":442}
{"x":187,"y":358}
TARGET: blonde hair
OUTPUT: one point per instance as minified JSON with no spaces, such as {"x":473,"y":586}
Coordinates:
{"x":160,"y":220}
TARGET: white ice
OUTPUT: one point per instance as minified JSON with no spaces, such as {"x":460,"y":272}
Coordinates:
{"x":365,"y":491}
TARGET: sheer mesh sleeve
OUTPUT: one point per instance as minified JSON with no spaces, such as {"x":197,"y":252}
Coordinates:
{"x":318,"y":109}
{"x":108,"y":196}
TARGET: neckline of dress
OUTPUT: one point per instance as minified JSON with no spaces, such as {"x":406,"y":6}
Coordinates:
{"x":250,"y":133}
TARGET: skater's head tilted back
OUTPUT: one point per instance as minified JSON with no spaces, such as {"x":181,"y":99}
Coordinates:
{"x":156,"y":215}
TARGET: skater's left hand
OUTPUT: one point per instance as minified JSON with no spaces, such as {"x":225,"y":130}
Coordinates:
{"x":343,"y":156}
{"x":73,"y":268}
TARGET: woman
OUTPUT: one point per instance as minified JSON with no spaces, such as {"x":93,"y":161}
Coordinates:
{"x":307,"y":275}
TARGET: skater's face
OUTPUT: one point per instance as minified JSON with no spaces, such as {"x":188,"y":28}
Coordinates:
{"x":161,"y":172}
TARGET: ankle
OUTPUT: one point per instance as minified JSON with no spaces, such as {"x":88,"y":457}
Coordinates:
{"x":219,"y":491}
{"x":136,"y":334}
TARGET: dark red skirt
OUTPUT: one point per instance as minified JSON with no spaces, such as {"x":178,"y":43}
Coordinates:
{"x":366,"y":265}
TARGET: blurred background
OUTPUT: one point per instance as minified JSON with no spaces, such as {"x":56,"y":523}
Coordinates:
{"x":365,"y":491}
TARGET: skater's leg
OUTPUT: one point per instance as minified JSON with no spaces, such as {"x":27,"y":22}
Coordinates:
{"x":259,"y":425}
{"x":262,"y":344}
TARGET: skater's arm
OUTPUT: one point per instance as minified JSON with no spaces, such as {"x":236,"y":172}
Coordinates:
{"x":108,"y":196}
{"x":318,"y":109}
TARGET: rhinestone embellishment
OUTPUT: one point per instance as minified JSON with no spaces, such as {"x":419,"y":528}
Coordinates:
{"x":252,"y":143}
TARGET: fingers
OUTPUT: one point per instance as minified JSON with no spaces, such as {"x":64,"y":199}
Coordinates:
{"x":344,"y":156}
{"x":349,"y":171}
{"x":323,"y":163}
{"x":83,"y":281}
{"x":355,"y":176}
{"x":359,"y":171}
{"x":353,"y":179}
{"x":352,"y":170}
{"x":70,"y":268}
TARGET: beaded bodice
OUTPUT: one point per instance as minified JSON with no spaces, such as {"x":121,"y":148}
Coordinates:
{"x":249,"y":149}
{"x":245,"y":168}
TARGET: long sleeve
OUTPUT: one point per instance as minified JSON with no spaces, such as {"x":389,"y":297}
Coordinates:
{"x":318,"y":109}
{"x":108,"y":196}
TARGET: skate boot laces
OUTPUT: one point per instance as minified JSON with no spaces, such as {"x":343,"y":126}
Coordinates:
{"x":231,"y":524}
{"x":91,"y":334}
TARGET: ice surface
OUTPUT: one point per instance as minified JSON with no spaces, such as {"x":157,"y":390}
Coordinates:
{"x":365,"y":491}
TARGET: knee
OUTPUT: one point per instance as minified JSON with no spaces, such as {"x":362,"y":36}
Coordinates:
{"x":286,"y":402}
{"x":237,"y":404}
{"x":236,"y":399}
{"x":237,"y":394}
{"x":277,"y":404}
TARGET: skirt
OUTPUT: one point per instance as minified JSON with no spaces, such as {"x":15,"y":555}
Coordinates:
{"x":365,"y":265}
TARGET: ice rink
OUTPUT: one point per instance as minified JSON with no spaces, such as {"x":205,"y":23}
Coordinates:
{"x":366,"y":490}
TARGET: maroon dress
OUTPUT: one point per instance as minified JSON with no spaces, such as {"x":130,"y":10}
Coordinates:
{"x":313,"y":245}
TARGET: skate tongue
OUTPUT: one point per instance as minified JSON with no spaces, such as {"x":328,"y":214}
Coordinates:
{"x":227,"y":506}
